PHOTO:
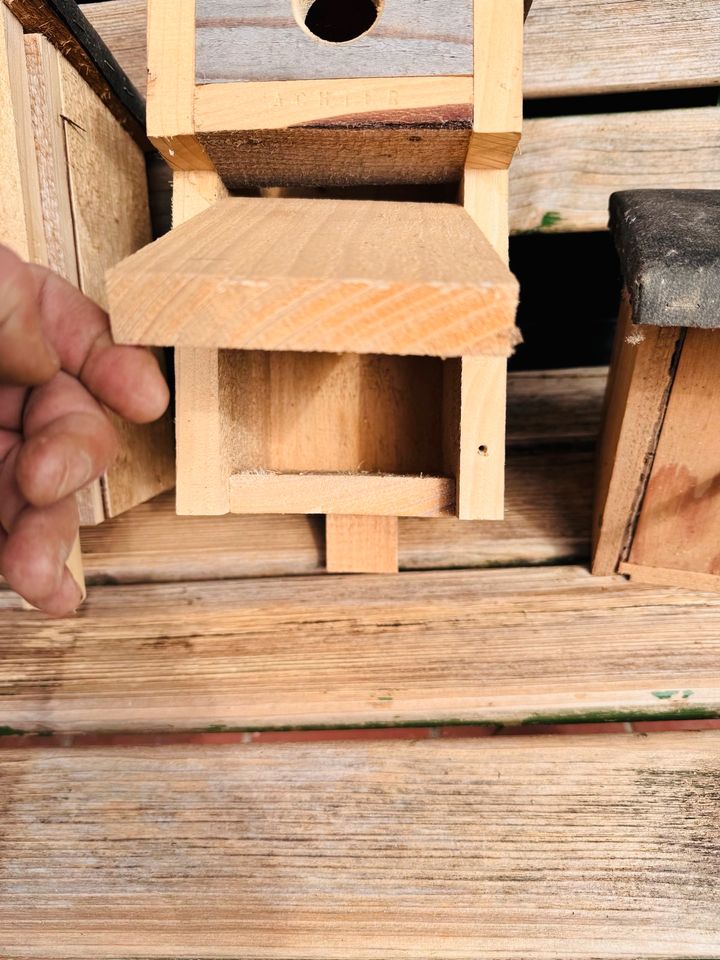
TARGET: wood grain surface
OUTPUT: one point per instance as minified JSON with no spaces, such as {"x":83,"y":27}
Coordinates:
{"x":572,"y":47}
{"x":566,"y":167}
{"x":519,"y":645}
{"x":319,"y":275}
{"x":263,"y":40}
{"x":592,"y":847}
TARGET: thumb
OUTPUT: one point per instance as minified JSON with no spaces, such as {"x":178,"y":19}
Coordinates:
{"x":26,"y":357}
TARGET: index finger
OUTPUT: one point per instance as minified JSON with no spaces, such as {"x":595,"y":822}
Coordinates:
{"x":126,"y":379}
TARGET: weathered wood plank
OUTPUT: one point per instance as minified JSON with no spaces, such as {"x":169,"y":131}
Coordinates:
{"x":262,"y":40}
{"x":571,"y":46}
{"x":566,"y":167}
{"x":583,"y":847}
{"x":518,"y":645}
{"x":591,"y":46}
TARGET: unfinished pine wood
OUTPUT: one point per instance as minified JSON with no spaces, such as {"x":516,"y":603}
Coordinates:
{"x":436,"y":848}
{"x":269,"y":41}
{"x":590,"y":46}
{"x":519,"y":645}
{"x":665,"y":576}
{"x":571,"y":48}
{"x":678,"y":524}
{"x":567,"y":166}
{"x":367,"y":277}
{"x":201,"y":460}
{"x":361,"y":544}
{"x":641,"y":374}
{"x":497,"y":82}
{"x":171,"y":83}
{"x":337,"y":493}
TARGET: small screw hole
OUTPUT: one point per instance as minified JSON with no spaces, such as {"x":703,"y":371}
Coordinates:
{"x":483,"y":450}
{"x":340,"y":21}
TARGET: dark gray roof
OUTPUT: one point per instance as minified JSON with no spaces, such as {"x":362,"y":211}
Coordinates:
{"x":669,"y":247}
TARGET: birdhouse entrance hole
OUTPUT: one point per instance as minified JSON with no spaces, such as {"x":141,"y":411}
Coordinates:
{"x":337,"y":21}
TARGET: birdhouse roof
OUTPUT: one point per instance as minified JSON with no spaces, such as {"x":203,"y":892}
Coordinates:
{"x":319,"y":275}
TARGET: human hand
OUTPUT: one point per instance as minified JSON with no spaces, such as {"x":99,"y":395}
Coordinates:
{"x":58,"y":367}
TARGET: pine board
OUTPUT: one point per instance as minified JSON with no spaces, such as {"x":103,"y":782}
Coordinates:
{"x":519,"y":645}
{"x":590,"y":848}
{"x":572,"y":47}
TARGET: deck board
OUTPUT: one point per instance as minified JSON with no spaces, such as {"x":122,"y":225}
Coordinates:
{"x":557,"y":848}
{"x":509,"y":646}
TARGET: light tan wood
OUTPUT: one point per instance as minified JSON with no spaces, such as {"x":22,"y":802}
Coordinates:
{"x":566,"y":167}
{"x":572,"y":47}
{"x":171,"y":83}
{"x":678,"y":525}
{"x":320,"y":842}
{"x":482,"y":391}
{"x":522,"y":645}
{"x":361,"y":544}
{"x":294,"y":274}
{"x":292,"y":851}
{"x":337,"y":493}
{"x":640,"y":378}
{"x":201,"y":468}
{"x":575,"y":47}
{"x":268,"y":106}
{"x":497,"y":82}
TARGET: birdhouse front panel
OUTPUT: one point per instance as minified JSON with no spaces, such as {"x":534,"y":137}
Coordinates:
{"x":334,"y":92}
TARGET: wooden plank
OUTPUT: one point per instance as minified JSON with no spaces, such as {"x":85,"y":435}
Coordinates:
{"x":361,"y":544}
{"x":641,"y":374}
{"x":576,"y":47}
{"x":671,"y":576}
{"x":678,"y":525}
{"x":306,"y":275}
{"x":269,"y":40}
{"x":568,"y":166}
{"x":572,"y":47}
{"x":64,"y":25}
{"x":342,"y":493}
{"x":436,"y":848}
{"x":519,"y":645}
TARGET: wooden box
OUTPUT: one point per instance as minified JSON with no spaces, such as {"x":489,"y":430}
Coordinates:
{"x":657,"y":516}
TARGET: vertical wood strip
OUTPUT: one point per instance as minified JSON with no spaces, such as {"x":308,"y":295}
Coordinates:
{"x":361,"y":544}
{"x":171,"y":83}
{"x":641,"y":373}
{"x":483,"y":380}
{"x":201,"y":475}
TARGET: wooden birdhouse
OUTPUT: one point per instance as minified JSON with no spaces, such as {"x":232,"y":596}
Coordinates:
{"x":657,"y":515}
{"x":334,"y":356}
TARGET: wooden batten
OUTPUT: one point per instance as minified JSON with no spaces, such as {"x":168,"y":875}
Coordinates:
{"x":374,"y":495}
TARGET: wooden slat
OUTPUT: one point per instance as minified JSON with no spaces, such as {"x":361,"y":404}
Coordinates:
{"x":592,"y":46}
{"x":519,"y":645}
{"x":571,"y":46}
{"x":374,"y":495}
{"x":583,"y":847}
{"x":566,"y":167}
